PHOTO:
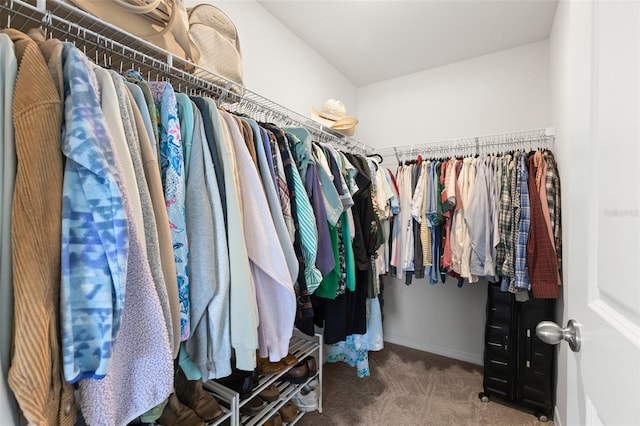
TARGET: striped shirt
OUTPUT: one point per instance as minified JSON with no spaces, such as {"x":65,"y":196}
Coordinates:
{"x":307,"y":229}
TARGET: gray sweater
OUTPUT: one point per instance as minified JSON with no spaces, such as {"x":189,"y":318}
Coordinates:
{"x":209,"y":345}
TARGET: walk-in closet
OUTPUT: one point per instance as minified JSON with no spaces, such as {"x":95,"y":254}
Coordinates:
{"x":274,"y":212}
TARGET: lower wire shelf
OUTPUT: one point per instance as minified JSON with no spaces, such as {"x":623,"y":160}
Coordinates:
{"x":287,"y":391}
{"x":300,"y":346}
{"x":229,"y":399}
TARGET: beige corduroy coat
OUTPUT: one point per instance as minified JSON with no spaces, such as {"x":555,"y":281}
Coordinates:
{"x":35,"y":375}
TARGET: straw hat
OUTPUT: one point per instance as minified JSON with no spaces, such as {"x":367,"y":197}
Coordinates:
{"x":334,"y":115}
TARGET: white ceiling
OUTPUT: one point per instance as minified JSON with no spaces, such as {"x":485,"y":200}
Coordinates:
{"x":371,"y":41}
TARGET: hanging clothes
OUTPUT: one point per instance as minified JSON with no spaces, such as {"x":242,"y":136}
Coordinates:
{"x":521,"y":281}
{"x":9,"y":68}
{"x":213,"y":132}
{"x":274,"y":290}
{"x":142,"y":359}
{"x":300,"y":140}
{"x":149,"y":226}
{"x":187,"y":128}
{"x":173,"y":179}
{"x":243,"y":306}
{"x":418,"y":248}
{"x":89,"y":164}
{"x":479,"y":213}
{"x":480,"y":220}
{"x":209,"y":346}
{"x":156,"y":224}
{"x":263,"y":152}
{"x":354,"y":349}
{"x":35,"y":375}
{"x":542,"y":262}
{"x":552,"y":185}
{"x":505,"y":213}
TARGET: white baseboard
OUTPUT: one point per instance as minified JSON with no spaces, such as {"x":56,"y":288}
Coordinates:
{"x":434,"y":349}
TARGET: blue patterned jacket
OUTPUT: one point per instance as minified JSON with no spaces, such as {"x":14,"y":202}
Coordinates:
{"x":95,"y":238}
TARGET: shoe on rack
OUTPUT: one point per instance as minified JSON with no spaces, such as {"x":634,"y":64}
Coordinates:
{"x":271,"y":393}
{"x":306,"y":403}
{"x":241,"y":381}
{"x":176,"y":413}
{"x":192,"y":394}
{"x":299,"y":373}
{"x":311,"y":365}
{"x":268,"y":368}
{"x":275,"y":420}
{"x":288,"y":412}
{"x":253,"y":407}
{"x":289,"y":360}
{"x":312,"y":385}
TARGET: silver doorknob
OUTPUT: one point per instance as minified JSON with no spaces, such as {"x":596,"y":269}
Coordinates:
{"x":551,"y":333}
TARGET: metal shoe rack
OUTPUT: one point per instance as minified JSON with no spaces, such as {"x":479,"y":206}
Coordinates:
{"x":301,"y":346}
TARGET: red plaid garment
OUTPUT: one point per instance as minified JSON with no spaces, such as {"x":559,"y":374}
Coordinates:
{"x":553,"y":199}
{"x":541,"y":255}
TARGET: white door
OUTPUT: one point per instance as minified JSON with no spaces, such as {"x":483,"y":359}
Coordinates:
{"x":603,"y":251}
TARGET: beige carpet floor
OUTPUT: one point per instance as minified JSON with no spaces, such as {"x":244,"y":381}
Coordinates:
{"x":410,"y":387}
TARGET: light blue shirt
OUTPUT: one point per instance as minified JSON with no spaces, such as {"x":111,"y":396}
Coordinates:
{"x":174,"y":185}
{"x":185,"y":115}
{"x":478,"y":216}
{"x":136,"y":91}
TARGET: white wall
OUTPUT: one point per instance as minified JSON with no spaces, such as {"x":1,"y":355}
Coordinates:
{"x":280,"y":66}
{"x":497,"y":93}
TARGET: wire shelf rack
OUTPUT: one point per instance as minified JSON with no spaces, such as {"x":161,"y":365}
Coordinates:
{"x":111,"y":47}
{"x":543,"y":138}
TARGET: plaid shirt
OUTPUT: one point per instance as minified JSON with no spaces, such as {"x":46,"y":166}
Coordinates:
{"x":508,"y":268}
{"x":521,"y":281}
{"x":552,"y":184}
{"x":541,"y":255}
{"x":282,"y":187}
{"x":505,"y":216}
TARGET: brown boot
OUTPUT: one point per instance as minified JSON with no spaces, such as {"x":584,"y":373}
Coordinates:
{"x":176,"y":413}
{"x":192,"y":394}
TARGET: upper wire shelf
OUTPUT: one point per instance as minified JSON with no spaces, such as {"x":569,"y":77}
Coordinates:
{"x":112,"y":47}
{"x":488,"y":144}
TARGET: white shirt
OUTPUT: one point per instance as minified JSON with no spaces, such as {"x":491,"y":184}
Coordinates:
{"x":406,"y":220}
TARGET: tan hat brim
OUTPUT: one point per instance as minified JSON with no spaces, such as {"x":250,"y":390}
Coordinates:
{"x":315,"y":115}
{"x":345,"y":123}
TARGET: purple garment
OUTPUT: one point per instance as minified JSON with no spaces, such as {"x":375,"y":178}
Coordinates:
{"x":325,"y":260}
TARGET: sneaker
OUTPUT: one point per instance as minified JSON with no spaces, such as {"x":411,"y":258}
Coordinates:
{"x":306,"y":403}
{"x":311,"y":386}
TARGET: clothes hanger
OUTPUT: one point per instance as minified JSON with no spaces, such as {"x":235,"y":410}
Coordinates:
{"x":377,"y":156}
